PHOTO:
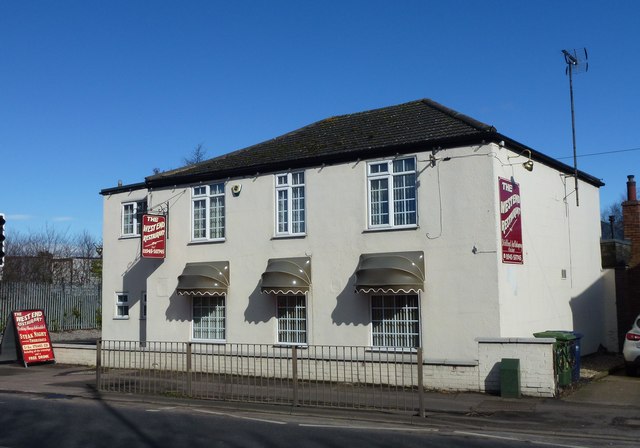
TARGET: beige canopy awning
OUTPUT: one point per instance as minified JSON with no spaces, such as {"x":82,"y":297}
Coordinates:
{"x":390,"y":273}
{"x":287,"y":276}
{"x":210,"y":278}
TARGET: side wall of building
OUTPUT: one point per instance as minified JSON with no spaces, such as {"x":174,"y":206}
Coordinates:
{"x":560,"y":285}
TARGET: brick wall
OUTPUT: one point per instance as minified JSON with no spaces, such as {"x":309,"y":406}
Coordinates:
{"x":536,"y":355}
{"x":628,"y":279}
{"x":75,"y":354}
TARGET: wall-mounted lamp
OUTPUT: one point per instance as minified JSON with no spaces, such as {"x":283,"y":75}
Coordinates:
{"x":528,"y":165}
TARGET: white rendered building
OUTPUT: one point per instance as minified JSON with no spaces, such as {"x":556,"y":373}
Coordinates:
{"x":402,"y":227}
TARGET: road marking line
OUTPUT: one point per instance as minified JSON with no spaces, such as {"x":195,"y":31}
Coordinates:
{"x":209,"y":412}
{"x":557,"y":444}
{"x":488,"y":436}
{"x":534,"y":442}
{"x":275,"y":422}
{"x":375,"y":428}
{"x":166,"y":408}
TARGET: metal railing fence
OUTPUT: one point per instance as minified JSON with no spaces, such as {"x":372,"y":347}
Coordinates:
{"x":66,"y":306}
{"x":319,"y":376}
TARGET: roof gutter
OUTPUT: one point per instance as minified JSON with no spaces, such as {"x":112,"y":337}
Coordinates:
{"x":546,"y":160}
{"x":341,"y":157}
{"x":123,"y":188}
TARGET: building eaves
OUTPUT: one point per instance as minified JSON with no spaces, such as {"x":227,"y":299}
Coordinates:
{"x":544,"y":159}
{"x":124,"y":188}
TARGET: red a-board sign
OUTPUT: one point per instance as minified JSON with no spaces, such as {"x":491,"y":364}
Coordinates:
{"x":510,"y":221}
{"x":154,"y":236}
{"x":33,"y":336}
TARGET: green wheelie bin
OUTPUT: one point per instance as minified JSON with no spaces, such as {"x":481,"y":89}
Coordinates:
{"x":564,"y":353}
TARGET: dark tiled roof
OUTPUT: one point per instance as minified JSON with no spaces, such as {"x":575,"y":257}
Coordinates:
{"x":415,"y":126}
{"x":361,"y":134}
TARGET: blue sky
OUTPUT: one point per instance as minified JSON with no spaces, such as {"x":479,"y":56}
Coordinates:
{"x":92,"y":92}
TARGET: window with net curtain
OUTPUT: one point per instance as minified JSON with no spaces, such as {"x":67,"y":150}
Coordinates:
{"x":208,"y":208}
{"x":392,"y":193}
{"x":132,"y":217}
{"x":122,"y":305}
{"x":290,"y":204}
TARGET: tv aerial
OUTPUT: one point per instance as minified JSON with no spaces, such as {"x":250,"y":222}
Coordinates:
{"x":576,"y":61}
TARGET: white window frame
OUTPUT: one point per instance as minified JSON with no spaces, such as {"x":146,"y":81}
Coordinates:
{"x":385,"y":171}
{"x":290,"y":326}
{"x":290,"y":221}
{"x":390,"y":327}
{"x":143,"y":305}
{"x":137,"y":209}
{"x":219,"y":332}
{"x":122,"y":306}
{"x":207,"y":194}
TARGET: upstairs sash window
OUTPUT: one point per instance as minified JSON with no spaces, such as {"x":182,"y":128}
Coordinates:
{"x":392,"y":193}
{"x":208,"y":208}
{"x":132,"y":217}
{"x":290,"y":204}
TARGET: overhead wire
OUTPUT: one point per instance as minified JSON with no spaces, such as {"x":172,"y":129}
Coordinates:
{"x":600,"y":153}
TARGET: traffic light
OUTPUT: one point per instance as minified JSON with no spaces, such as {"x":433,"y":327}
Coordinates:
{"x":2,"y":237}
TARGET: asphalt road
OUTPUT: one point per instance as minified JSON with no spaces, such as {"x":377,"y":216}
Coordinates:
{"x":59,"y":421}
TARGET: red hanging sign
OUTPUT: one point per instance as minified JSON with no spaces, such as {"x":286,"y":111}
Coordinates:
{"x":33,"y":336}
{"x":510,"y":221}
{"x":154,"y":236}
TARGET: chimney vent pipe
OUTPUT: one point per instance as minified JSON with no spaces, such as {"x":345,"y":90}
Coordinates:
{"x":631,"y":188}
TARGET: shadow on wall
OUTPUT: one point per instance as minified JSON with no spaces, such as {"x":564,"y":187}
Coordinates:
{"x":351,"y":308}
{"x":179,"y":308}
{"x":261,"y":307}
{"x":492,"y":380}
{"x":134,"y":282}
{"x":594,"y":316}
{"x":134,"y":278}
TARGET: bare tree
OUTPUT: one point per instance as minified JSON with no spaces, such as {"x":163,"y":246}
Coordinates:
{"x":613,"y":210}
{"x":51,"y":256}
{"x":198,"y":154}
{"x":86,"y":263}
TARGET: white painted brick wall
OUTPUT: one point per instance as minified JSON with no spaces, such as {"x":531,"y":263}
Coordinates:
{"x":75,"y":354}
{"x":536,"y":355}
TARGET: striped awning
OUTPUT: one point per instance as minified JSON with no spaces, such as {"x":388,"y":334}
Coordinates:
{"x":209,"y":278}
{"x":390,"y":273}
{"x":287,"y":276}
